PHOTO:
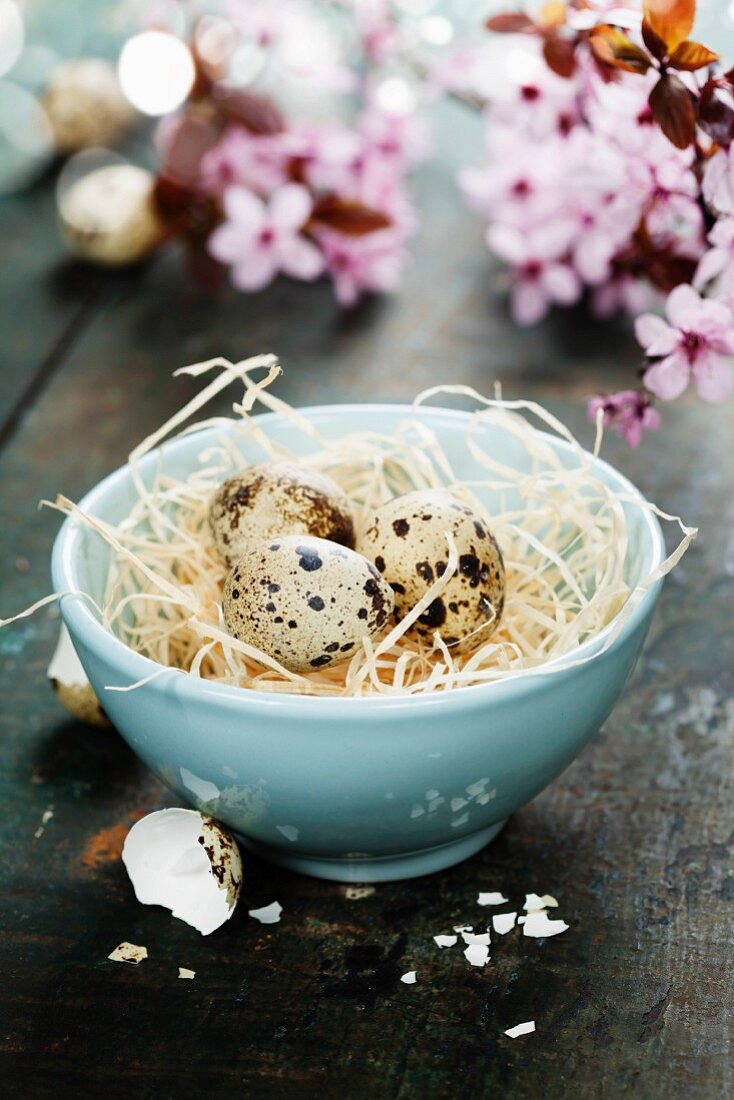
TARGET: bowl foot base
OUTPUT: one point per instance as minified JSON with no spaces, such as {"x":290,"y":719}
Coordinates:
{"x":378,"y":868}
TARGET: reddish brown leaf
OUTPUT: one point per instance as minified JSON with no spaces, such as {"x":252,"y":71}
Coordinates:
{"x":510,"y":22}
{"x":716,"y":110}
{"x":690,"y":56}
{"x":614,"y":48}
{"x":671,"y":20}
{"x":654,"y":43}
{"x":560,"y":55}
{"x":256,"y":113}
{"x":644,"y":258}
{"x":672,"y":109}
{"x":666,"y":271}
{"x":348,"y":216}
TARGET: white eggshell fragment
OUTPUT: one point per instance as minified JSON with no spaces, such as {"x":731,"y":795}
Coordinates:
{"x":86,"y":105}
{"x":70,"y":683}
{"x":277,"y":498}
{"x":186,"y":862}
{"x":406,"y":539}
{"x":109,"y":216}
{"x":305,"y":602}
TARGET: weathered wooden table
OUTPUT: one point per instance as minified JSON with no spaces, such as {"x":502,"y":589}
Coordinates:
{"x":635,"y":840}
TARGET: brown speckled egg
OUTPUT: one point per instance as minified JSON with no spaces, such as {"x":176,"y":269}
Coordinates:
{"x":307,"y":602}
{"x":405,"y":539}
{"x":277,"y":498}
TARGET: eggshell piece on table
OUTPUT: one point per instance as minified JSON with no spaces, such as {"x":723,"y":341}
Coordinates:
{"x":69,"y":682}
{"x":406,"y":539}
{"x":306,"y":602}
{"x":277,"y":498}
{"x":186,"y":862}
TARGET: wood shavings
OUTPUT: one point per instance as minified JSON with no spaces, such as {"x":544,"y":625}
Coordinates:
{"x":564,"y":535}
{"x":409,"y":978}
{"x":268,"y":914}
{"x":184,"y":972}
{"x":492,"y":898}
{"x":446,"y":941}
{"x":502,"y":923}
{"x":477,"y":954}
{"x":521,"y":1029}
{"x":537,"y":924}
{"x":128,"y":953}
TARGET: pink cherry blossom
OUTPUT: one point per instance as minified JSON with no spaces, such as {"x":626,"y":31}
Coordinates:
{"x":693,"y":345}
{"x":378,"y":28}
{"x":627,"y":412}
{"x":363,"y":265}
{"x":718,"y":262}
{"x":541,"y":276}
{"x":258,"y":240}
{"x":258,"y":162}
{"x":622,"y":293}
{"x":718,"y":181}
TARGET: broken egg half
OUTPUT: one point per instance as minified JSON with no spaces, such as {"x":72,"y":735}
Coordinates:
{"x":70,"y":683}
{"x":186,"y":862}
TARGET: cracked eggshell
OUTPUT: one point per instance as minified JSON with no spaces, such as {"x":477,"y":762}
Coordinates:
{"x":86,"y":105}
{"x":109,"y":216}
{"x":277,"y":498}
{"x":306,"y":602}
{"x":186,"y":862}
{"x":405,"y":539}
{"x":69,"y":682}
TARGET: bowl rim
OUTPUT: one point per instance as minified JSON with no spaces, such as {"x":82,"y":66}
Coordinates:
{"x":132,"y":666}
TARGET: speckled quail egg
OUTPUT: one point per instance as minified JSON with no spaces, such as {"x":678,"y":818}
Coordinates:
{"x":86,"y":105}
{"x":277,"y":498}
{"x":109,"y":216}
{"x":405,"y":539}
{"x":304,"y":601}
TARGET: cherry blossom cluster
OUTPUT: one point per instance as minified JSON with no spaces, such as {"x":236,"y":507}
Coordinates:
{"x":609,"y":175}
{"x":292,"y":153}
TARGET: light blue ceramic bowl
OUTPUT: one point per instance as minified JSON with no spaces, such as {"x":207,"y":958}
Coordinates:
{"x":353,"y":789}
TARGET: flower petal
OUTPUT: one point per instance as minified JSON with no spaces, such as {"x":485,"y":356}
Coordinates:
{"x":529,"y":303}
{"x":710,"y":266}
{"x":228,"y":243}
{"x":244,"y":208}
{"x":255,"y":271}
{"x":682,"y":305}
{"x":290,"y":207}
{"x":668,"y":378}
{"x":652,"y":332}
{"x":561,"y":284}
{"x":300,"y":258}
{"x":712,"y":377}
